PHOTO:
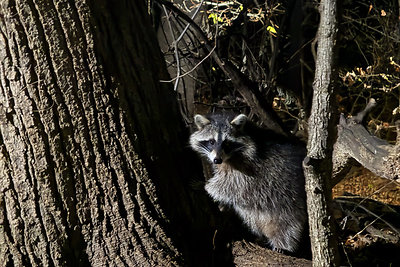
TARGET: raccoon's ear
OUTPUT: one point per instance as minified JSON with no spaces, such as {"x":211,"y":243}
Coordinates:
{"x":239,"y":121}
{"x":200,"y":121}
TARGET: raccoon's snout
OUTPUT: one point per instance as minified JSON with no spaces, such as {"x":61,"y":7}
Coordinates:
{"x":219,"y":154}
{"x":217,"y":160}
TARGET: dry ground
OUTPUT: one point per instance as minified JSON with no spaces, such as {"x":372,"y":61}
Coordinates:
{"x":364,"y":183}
{"x":368,"y":214}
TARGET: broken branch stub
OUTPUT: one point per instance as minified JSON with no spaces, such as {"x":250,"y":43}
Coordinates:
{"x":354,"y":142}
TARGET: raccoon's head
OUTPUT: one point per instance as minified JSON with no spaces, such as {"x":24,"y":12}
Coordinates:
{"x":221,"y":138}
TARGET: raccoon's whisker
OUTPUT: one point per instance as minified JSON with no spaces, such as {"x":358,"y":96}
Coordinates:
{"x":204,"y":147}
{"x":239,"y":149}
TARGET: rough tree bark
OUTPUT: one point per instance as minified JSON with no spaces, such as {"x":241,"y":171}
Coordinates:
{"x":91,"y":158}
{"x":251,"y":255}
{"x":355,"y":143}
{"x":318,"y":163}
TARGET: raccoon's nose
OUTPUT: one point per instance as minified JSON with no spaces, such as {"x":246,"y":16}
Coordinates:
{"x":217,"y":160}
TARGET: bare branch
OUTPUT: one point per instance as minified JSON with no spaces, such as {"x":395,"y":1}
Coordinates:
{"x":361,"y":115}
{"x":194,"y":68}
{"x":240,"y":82}
{"x":355,"y":143}
{"x":175,"y":44}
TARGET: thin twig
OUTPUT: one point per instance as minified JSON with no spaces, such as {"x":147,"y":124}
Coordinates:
{"x":195,"y":67}
{"x":175,"y":44}
{"x":371,"y":28}
{"x":178,"y":76}
{"x":239,"y":81}
{"x":345,"y":253}
{"x":188,"y":25}
{"x":370,"y":212}
{"x":368,"y":225}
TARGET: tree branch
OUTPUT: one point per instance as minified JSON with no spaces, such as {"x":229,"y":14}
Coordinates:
{"x":244,"y":86}
{"x":355,"y":143}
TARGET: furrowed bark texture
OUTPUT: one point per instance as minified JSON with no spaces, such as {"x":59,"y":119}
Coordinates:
{"x":318,"y":163}
{"x":251,"y":255}
{"x":80,"y":157}
{"x":356,"y":144}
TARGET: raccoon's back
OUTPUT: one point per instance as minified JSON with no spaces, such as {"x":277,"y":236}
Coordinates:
{"x":283,"y":172}
{"x":283,"y":162}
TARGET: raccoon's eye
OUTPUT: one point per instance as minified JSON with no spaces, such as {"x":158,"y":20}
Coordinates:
{"x":207,"y":144}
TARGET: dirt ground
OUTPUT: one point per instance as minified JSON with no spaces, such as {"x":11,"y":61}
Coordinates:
{"x":368,"y":214}
{"x":364,"y":183}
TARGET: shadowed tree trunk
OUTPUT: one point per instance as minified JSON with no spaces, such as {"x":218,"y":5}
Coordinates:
{"x":318,"y":163}
{"x":91,"y":160}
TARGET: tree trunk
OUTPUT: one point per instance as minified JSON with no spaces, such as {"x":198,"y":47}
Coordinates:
{"x":91,"y":160}
{"x":318,"y":163}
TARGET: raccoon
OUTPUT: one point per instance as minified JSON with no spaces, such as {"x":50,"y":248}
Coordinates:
{"x":258,"y":173}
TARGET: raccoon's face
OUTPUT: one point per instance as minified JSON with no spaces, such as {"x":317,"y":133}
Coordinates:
{"x":219,"y":138}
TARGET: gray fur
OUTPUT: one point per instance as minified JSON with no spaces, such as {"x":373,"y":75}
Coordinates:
{"x":258,"y":173}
